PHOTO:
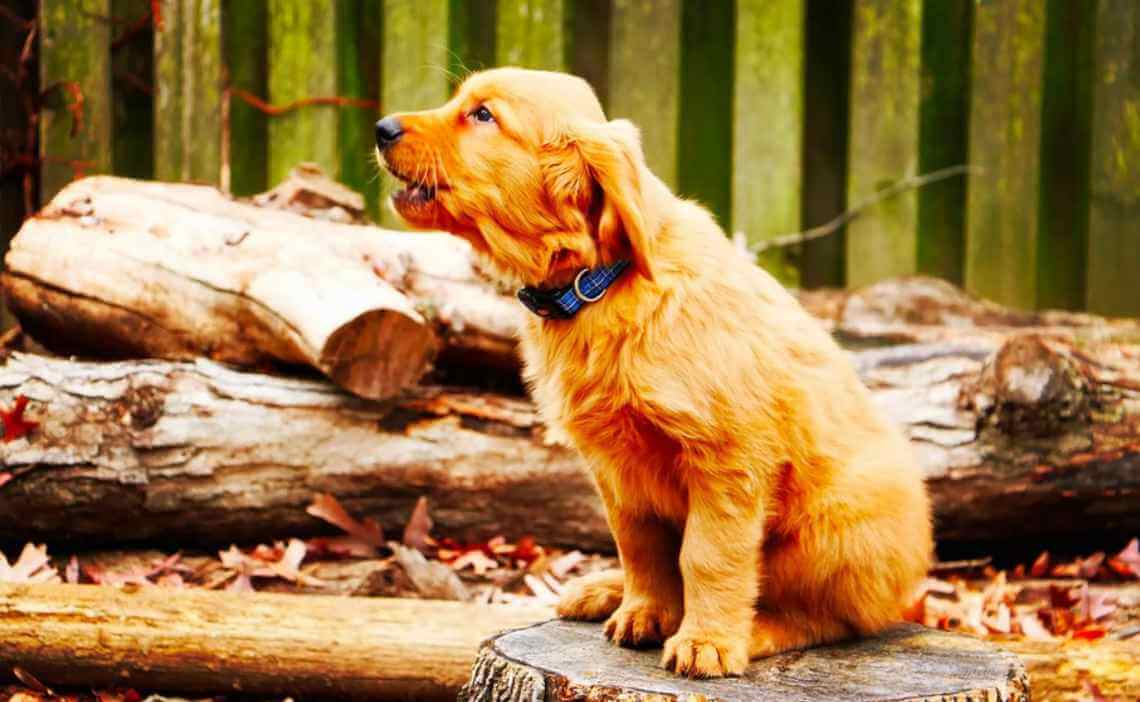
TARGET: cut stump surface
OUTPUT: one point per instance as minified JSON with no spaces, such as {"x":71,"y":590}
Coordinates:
{"x":572,"y":661}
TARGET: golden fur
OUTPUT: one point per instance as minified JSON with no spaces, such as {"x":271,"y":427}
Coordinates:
{"x":759,"y":500}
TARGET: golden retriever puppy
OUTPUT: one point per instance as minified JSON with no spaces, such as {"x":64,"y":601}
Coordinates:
{"x":759,"y":500}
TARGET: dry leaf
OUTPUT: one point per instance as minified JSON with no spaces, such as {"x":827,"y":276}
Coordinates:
{"x":476,"y":560}
{"x":566,"y":563}
{"x":33,"y":566}
{"x":327,"y":508}
{"x":416,"y":533}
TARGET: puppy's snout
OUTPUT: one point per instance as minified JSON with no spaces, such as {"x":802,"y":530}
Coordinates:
{"x":388,"y":132}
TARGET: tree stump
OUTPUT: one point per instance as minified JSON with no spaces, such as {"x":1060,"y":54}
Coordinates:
{"x":572,"y":661}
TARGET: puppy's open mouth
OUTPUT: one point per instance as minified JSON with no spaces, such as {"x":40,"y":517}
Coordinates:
{"x":414,"y":192}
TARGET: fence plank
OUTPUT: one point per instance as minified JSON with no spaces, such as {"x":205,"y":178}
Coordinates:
{"x":245,"y":45}
{"x":302,"y":47}
{"x":15,"y":138}
{"x":768,"y":119}
{"x":358,"y":76}
{"x":532,"y":34}
{"x":1066,"y":110}
{"x":75,"y":51}
{"x":188,"y":91}
{"x":1114,"y":218}
{"x":827,"y":104}
{"x":708,"y":61}
{"x":132,"y":61}
{"x":414,"y":65}
{"x":943,"y":120}
{"x":883,"y":145}
{"x":1005,"y":133}
{"x":645,"y":76}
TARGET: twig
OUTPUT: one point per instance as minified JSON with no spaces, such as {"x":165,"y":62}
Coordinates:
{"x":278,"y":110}
{"x":909,"y":183}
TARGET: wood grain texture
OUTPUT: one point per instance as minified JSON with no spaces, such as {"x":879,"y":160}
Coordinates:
{"x":256,"y":644}
{"x":302,"y":64}
{"x":1005,"y":138}
{"x":1114,"y":245}
{"x":414,"y":68}
{"x":75,"y":55}
{"x":188,"y":92}
{"x":645,"y":76}
{"x":194,"y":451}
{"x":573,"y":661}
{"x":358,"y":76}
{"x":532,"y":34}
{"x":199,"y":452}
{"x":883,"y":140}
{"x":768,"y":118}
{"x":181,"y":271}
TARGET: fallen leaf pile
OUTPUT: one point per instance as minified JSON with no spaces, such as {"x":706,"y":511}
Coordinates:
{"x":1044,"y":601}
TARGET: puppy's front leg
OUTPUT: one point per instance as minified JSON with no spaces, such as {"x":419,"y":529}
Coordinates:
{"x":720,"y":558}
{"x":652,"y":602}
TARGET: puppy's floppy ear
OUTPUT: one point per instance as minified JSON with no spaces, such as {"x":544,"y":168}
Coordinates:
{"x":592,"y":157}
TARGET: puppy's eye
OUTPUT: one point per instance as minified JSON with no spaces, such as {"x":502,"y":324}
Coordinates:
{"x":482,"y":114}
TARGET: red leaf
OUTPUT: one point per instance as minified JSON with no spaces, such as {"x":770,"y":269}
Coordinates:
{"x":1040,"y":566}
{"x":15,"y":426}
{"x":1089,"y":633}
{"x":419,"y":526}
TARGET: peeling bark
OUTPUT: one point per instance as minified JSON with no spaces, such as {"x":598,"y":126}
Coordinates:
{"x":1040,"y":439}
{"x":115,"y":267}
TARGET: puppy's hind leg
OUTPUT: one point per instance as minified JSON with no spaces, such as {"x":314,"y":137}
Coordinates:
{"x":592,"y":597}
{"x":788,"y":630}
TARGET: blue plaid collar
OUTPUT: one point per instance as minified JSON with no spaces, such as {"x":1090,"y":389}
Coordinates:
{"x":564,"y":303}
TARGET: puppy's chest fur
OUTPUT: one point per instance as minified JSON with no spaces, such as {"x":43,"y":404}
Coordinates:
{"x":584,"y":392}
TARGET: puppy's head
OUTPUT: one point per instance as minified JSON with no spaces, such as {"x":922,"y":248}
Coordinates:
{"x":524,"y":165}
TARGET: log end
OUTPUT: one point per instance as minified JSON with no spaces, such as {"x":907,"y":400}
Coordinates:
{"x":379,"y":353}
{"x":572,"y":661}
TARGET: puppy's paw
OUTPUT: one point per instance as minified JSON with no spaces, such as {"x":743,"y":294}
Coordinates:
{"x":704,"y":654}
{"x":640,"y":623}
{"x":592,"y":598}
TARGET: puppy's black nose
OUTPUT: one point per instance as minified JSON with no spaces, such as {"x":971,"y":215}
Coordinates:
{"x":388,"y":132}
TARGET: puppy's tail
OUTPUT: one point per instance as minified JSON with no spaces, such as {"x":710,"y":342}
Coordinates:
{"x":592,"y":597}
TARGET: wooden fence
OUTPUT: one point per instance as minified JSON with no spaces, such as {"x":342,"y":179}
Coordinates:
{"x":778,"y":114}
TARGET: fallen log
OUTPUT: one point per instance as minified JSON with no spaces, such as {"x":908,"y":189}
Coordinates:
{"x":1040,"y":440}
{"x":198,"y":452}
{"x":918,"y":309}
{"x":120,"y":268}
{"x":210,"y":642}
{"x":570,"y":661}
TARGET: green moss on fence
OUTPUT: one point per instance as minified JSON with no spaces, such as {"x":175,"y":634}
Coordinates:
{"x":75,"y":53}
{"x":532,"y":34}
{"x":188,"y":90}
{"x":245,"y":47}
{"x":302,"y":65}
{"x":943,"y":122}
{"x":767,"y":126}
{"x":358,"y":76}
{"x":885,"y":85}
{"x":645,"y":77}
{"x":1114,"y":221}
{"x":1005,"y":136}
